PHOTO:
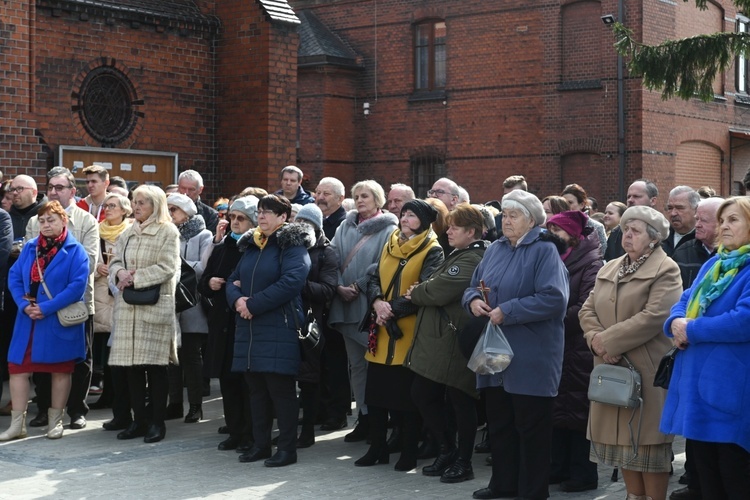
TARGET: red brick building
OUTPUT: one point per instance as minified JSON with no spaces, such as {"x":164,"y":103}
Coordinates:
{"x":483,"y":90}
{"x":212,"y":83}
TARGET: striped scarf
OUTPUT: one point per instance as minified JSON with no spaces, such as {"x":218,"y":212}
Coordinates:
{"x":716,"y":279}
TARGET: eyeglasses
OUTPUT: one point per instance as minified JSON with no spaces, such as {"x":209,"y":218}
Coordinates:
{"x":18,"y":189}
{"x":57,"y":187}
{"x":238,"y":218}
{"x":266,"y":213}
{"x":438,"y":192}
{"x":110,"y":206}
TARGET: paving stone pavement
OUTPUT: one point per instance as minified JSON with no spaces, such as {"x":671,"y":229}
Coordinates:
{"x":92,"y":464}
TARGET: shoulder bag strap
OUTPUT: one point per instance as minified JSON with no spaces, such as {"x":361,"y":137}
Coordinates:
{"x":41,"y":277}
{"x":353,"y":251}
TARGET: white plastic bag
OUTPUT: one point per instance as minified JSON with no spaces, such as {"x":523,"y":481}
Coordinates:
{"x":492,"y":353}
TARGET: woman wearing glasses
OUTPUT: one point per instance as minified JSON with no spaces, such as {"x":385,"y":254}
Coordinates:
{"x":217,"y":363}
{"x":116,"y":220}
{"x":265,"y":291}
{"x":195,"y":249}
{"x":50,"y":274}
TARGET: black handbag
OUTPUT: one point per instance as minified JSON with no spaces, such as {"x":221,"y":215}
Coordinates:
{"x":147,"y":296}
{"x":309,"y":335}
{"x":664,"y":372}
{"x":186,"y":292}
{"x":141,"y":296}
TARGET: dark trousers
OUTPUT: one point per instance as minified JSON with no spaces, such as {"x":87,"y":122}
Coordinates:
{"x":430,"y":397}
{"x":724,"y":470}
{"x":158,"y":388}
{"x":79,"y":384}
{"x":520,"y":438}
{"x":694,"y":482}
{"x":236,"y":402}
{"x":309,"y":396}
{"x":120,"y":393}
{"x":273,"y":393}
{"x":335,"y":393}
{"x":570,"y":456}
{"x":190,"y":370}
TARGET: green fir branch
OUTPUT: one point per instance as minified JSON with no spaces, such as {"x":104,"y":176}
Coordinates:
{"x":684,"y":68}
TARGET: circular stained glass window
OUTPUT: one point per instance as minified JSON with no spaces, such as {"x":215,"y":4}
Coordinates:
{"x":106,"y":105}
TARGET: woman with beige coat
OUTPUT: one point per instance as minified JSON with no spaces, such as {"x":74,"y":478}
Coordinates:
{"x":143,"y":336}
{"x":624,"y":315}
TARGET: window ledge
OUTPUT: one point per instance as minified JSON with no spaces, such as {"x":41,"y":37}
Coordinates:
{"x":742,"y":99}
{"x":432,"y":95}
{"x":580,"y":85}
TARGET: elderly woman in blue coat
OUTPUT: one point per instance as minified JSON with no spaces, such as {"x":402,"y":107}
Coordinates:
{"x":53,"y":261}
{"x":264,"y":290}
{"x":709,"y":394}
{"x":526,"y":286}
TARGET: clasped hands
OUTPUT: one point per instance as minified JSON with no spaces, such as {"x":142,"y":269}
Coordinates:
{"x":679,"y":333}
{"x":481,"y":308}
{"x":598,"y":347}
{"x":125,"y":279}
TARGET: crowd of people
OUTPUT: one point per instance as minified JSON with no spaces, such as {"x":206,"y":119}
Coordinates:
{"x":400,"y":289}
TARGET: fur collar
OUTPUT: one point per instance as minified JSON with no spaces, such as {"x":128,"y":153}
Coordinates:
{"x":290,"y":235}
{"x":371,"y":226}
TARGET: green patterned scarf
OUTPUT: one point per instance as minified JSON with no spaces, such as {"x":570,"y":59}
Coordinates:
{"x":716,"y":279}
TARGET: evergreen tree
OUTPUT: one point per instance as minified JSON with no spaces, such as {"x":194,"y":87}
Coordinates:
{"x":684,"y":68}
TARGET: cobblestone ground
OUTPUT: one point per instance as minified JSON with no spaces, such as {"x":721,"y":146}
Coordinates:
{"x":92,"y":464}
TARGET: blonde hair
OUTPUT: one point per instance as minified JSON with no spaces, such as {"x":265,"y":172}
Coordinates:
{"x":158,"y":200}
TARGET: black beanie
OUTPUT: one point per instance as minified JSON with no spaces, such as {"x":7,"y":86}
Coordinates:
{"x":426,"y":212}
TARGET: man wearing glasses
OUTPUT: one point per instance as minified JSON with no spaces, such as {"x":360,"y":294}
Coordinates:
{"x":446,"y":191}
{"x":83,"y":226}
{"x":26,"y":201}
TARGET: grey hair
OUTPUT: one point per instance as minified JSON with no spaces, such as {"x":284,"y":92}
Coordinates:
{"x":372,"y":186}
{"x":291,"y":168}
{"x":191,"y":175}
{"x":693,"y":197}
{"x":404,"y":187}
{"x":651,"y":190}
{"x":123,"y":201}
{"x":58,"y":171}
{"x":337,"y":185}
{"x":463,"y":195}
{"x":651,"y":231}
{"x":515,"y":205}
{"x":451,"y":183}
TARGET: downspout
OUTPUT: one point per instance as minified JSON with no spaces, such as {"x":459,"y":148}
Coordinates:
{"x":620,"y":115}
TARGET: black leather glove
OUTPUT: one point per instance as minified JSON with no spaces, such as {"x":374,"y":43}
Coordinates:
{"x":393,"y":330}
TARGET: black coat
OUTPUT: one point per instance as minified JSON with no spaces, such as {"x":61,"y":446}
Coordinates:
{"x":318,"y":292}
{"x":217,"y":360}
{"x":333,"y":221}
{"x":614,"y":245}
{"x":690,"y":257}
{"x":668,"y":244}
{"x":571,"y":406}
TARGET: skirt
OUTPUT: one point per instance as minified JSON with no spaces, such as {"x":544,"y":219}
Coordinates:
{"x":650,"y":458}
{"x":389,"y":387}
{"x":28,"y":366}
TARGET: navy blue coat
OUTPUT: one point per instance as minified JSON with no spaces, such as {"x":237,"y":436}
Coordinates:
{"x":272,"y":278}
{"x":66,"y":276}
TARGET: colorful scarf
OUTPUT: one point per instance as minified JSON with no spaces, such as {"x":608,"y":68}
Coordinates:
{"x":717,"y":279}
{"x":46,"y":249}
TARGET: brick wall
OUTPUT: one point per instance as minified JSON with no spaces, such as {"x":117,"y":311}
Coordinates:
{"x":256,"y":72}
{"x":507,"y":110}
{"x":22,"y":151}
{"x":171,"y":71}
